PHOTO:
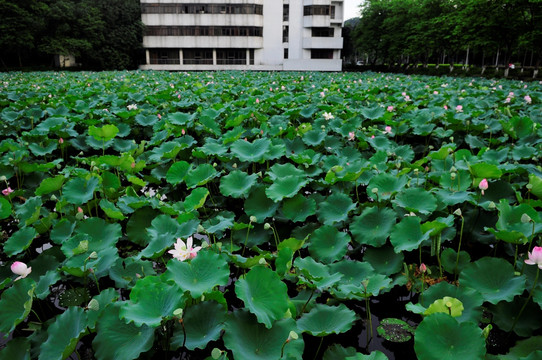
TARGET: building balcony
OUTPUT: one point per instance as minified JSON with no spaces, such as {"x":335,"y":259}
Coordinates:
{"x":323,"y":43}
{"x":316,"y":21}
{"x":202,"y":20}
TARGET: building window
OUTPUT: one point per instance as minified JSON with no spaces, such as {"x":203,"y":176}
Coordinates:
{"x":197,"y":56}
{"x":323,"y":32}
{"x":203,"y":31}
{"x":231,"y":57}
{"x":285,"y":12}
{"x":316,"y":10}
{"x":164,"y":56}
{"x":322,"y":54}
{"x":286,"y":53}
{"x":285,"y":31}
{"x":171,"y":8}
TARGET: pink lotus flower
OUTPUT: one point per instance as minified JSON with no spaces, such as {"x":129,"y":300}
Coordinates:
{"x":79,"y":210}
{"x":257,"y":101}
{"x":61,"y":141}
{"x":351,"y":136}
{"x":535,"y":257}
{"x":159,"y":117}
{"x":387,"y":129}
{"x":322,"y":94}
{"x":183,"y":131}
{"x":483,"y":185}
{"x":527,"y":99}
{"x":445,"y":107}
{"x":20,"y":268}
{"x":459,"y":108}
{"x":7,"y":191}
{"x":423,"y":268}
{"x":328,"y":116}
{"x":390,"y":108}
{"x":507,"y":100}
{"x":184,"y":251}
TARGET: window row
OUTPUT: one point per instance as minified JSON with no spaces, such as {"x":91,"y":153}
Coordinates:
{"x":203,"y":31}
{"x":202,"y":56}
{"x":326,"y":10}
{"x":169,"y":8}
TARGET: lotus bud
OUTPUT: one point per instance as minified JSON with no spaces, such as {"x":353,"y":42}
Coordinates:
{"x":253,"y":219}
{"x":458,"y":212}
{"x":451,"y":139}
{"x":201,"y":229}
{"x":215,"y":164}
{"x":266,"y":226}
{"x":453,"y":169}
{"x":93,"y":305}
{"x":526,"y":218}
{"x":234,"y":165}
{"x":491,"y":205}
{"x":79,"y":216}
{"x":3,"y":178}
{"x":423,"y":268}
{"x":53,"y":198}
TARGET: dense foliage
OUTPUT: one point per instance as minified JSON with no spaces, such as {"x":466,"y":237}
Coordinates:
{"x":101,"y":34}
{"x":481,"y":32}
{"x":266,"y":215}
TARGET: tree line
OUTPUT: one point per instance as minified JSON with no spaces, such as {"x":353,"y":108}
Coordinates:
{"x":101,"y":34}
{"x":470,"y":32}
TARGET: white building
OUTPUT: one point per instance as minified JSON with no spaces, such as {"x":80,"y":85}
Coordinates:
{"x":242,"y":34}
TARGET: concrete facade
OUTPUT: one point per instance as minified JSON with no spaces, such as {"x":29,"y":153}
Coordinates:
{"x":243,"y":34}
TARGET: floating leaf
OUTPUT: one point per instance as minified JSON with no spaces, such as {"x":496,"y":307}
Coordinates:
{"x":64,"y":334}
{"x":163,"y":232}
{"x":237,"y":184}
{"x":50,"y":185}
{"x":250,"y":152}
{"x":327,"y":244}
{"x":20,"y":240}
{"x":407,"y":235}
{"x":5,"y":208}
{"x":335,"y":209}
{"x":196,"y":199}
{"x":203,"y":323}
{"x":395,"y":330}
{"x":373,"y":226}
{"x":105,"y":133}
{"x":201,"y":175}
{"x":177,"y":172}
{"x":417,"y":200}
{"x":16,"y":303}
{"x":78,"y":190}
{"x":264,"y":295}
{"x":259,"y":205}
{"x":285,"y":187}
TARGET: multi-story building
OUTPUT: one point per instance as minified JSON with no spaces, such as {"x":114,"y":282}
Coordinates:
{"x":242,"y":34}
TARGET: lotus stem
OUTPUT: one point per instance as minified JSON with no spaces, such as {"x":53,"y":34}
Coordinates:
{"x":306,"y":303}
{"x":459,"y":247}
{"x":319,"y":346}
{"x":526,"y":301}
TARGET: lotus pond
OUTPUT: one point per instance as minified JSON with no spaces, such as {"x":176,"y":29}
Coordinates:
{"x":235,"y":215}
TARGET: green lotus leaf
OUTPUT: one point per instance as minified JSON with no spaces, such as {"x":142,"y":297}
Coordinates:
{"x":196,"y":199}
{"x":177,"y":172}
{"x":151,"y":301}
{"x":16,"y":303}
{"x":264,"y":295}
{"x":45,"y":281}
{"x":451,"y":198}
{"x":407,"y":235}
{"x":523,"y":152}
{"x":62,"y":231}
{"x":208,"y":118}
{"x":384,"y":260}
{"x":285,"y":187}
{"x":447,"y":305}
{"x":136,"y":226}
{"x":49,"y":185}
{"x":250,"y":340}
{"x":103,"y":134}
{"x":314,"y":137}
{"x":78,"y":191}
{"x":315,"y":274}
{"x":125,"y":271}
{"x":111,"y":210}
{"x":336,"y":351}
{"x":163,"y":232}
{"x":395,"y":330}
{"x":528,"y":349}
{"x":324,"y":320}
{"x":536,"y":185}
{"x":373,"y":226}
{"x":505,"y":314}
{"x":203,"y":323}
{"x":416,"y":200}
{"x":117,"y":340}
{"x":335,"y":209}
{"x":353,"y":272}
{"x":372,"y":285}
{"x":237,"y":184}
{"x":373,"y":113}
{"x":308,"y":111}
{"x":180,"y":118}
{"x":279,"y":171}
{"x":200,"y":175}
{"x":449,"y":258}
{"x":386,"y":185}
{"x":199,"y":275}
{"x":103,"y":235}
{"x":485,"y":171}
{"x":29,"y":212}
{"x":79,"y":265}
{"x":494,"y":278}
{"x":103,"y":299}
{"x":250,"y":152}
{"x":472,"y":300}
{"x":510,"y":219}
{"x":64,"y":334}
{"x":213,"y":147}
{"x":375,"y":355}
{"x":327,"y":244}
{"x":20,"y":240}
{"x":16,"y":349}
{"x":219,"y":222}
{"x":39,"y":150}
{"x":148,"y":120}
{"x":440,"y":336}
{"x":298,"y":208}
{"x":5,"y":208}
